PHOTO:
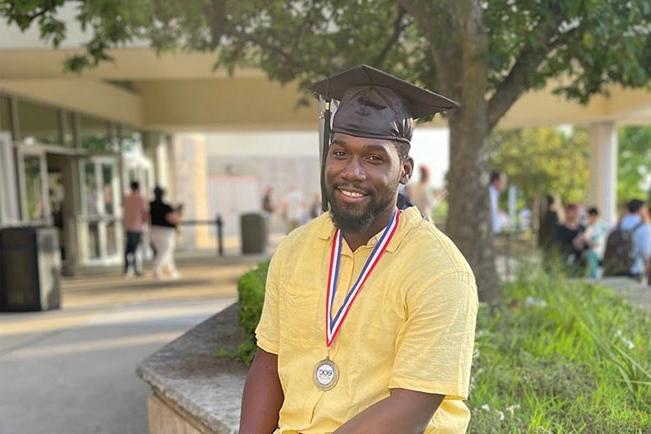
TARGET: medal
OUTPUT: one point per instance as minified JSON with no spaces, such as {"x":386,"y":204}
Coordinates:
{"x":326,"y":372}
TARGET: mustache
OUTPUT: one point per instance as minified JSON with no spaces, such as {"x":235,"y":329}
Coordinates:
{"x":351,"y":187}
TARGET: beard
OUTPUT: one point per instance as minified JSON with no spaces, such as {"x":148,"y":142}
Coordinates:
{"x":358,"y":219}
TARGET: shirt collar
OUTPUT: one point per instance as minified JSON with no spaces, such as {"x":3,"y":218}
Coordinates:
{"x":409,"y":218}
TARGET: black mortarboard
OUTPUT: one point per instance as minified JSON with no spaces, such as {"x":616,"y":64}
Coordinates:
{"x":378,"y":105}
{"x":374,"y":104}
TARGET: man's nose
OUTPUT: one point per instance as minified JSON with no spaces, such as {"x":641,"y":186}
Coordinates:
{"x":354,"y":171}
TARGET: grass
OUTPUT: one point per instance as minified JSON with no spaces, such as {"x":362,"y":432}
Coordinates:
{"x":556,"y":356}
{"x":553,"y":356}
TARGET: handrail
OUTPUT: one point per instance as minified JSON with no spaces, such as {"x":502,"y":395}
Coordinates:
{"x":219,"y":226}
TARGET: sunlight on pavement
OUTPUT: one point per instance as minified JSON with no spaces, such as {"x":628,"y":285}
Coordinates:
{"x":94,"y":345}
{"x":36,"y":324}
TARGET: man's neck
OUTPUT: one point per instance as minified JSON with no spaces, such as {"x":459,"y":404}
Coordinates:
{"x":357,"y":239}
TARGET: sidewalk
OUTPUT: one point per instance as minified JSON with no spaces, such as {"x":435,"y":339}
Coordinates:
{"x":72,"y":371}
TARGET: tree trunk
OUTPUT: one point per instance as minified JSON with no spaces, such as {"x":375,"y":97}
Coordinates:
{"x":462,"y":71}
{"x":468,"y":222}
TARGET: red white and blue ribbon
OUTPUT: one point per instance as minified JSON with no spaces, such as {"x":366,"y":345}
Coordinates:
{"x":333,"y":324}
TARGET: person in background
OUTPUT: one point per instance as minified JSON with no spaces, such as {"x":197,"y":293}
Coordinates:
{"x":164,"y":220}
{"x":294,"y":208}
{"x":420,"y":194}
{"x":569,"y":237}
{"x":498,"y":182}
{"x":267,"y":201}
{"x":549,"y":223}
{"x":634,"y":221}
{"x":134,"y":216}
{"x":315,"y":206}
{"x":594,"y":239}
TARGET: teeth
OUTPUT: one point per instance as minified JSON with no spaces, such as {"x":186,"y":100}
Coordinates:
{"x":351,"y":193}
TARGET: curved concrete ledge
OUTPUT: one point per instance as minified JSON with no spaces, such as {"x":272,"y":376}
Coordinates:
{"x":194,"y":392}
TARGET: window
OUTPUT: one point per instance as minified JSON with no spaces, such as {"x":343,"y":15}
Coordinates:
{"x":91,"y":190}
{"x":5,"y":114}
{"x":35,"y":199}
{"x":68,"y":121}
{"x":94,"y":134}
{"x":132,"y":141}
{"x":38,"y":124}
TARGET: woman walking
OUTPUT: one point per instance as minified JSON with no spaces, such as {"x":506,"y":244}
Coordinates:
{"x":164,"y":220}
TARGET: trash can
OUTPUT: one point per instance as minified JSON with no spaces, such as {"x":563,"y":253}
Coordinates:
{"x":254,"y":233}
{"x":30,"y":267}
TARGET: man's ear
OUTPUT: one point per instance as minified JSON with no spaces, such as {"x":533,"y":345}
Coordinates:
{"x":407,"y":170}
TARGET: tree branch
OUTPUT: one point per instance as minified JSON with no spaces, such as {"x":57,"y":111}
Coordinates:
{"x":216,"y":12}
{"x":438,"y":18}
{"x":289,"y":59}
{"x":519,"y":77}
{"x":398,"y":28}
{"x":24,"y":20}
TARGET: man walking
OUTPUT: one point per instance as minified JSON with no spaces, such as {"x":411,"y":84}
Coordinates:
{"x":640,"y":252}
{"x":369,"y":314}
{"x":134,"y":216}
{"x":497,"y":184}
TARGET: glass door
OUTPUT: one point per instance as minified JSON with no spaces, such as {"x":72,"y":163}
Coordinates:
{"x":34,"y":195}
{"x":102,"y":229}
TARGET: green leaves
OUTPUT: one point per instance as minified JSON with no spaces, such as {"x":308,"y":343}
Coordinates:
{"x":250,"y":289}
{"x":543,"y":160}
{"x":634,"y":163}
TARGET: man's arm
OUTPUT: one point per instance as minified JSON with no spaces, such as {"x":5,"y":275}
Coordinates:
{"x":403,"y":412}
{"x":263,"y":395}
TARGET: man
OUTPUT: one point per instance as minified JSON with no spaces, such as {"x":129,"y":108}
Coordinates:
{"x":569,"y":237}
{"x":549,"y":223}
{"x":497,"y":185}
{"x":641,"y":241}
{"x":135,"y":214}
{"x":369,"y":315}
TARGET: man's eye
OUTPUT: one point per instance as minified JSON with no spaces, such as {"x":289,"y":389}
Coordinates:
{"x":339,"y":153}
{"x":374,"y":158}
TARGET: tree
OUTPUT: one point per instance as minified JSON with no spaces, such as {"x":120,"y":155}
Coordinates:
{"x":634,"y":163}
{"x":483,"y":53}
{"x":541,"y":161}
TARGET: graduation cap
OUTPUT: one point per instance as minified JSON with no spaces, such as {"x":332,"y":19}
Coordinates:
{"x":374,"y":104}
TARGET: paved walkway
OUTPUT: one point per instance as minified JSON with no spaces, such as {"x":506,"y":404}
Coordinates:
{"x":71,"y":371}
{"x":637,"y":294}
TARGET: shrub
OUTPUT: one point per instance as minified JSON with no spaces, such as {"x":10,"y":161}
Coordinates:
{"x":250,"y":289}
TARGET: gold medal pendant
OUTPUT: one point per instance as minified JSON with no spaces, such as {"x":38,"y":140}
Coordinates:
{"x":326,"y":374}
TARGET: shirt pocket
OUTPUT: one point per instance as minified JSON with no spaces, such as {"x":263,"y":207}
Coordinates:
{"x":302,"y":318}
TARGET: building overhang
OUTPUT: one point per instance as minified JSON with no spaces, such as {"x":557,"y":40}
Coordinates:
{"x":180,"y":91}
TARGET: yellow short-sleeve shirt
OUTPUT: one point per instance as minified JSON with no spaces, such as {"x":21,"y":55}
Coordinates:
{"x":411,"y":327}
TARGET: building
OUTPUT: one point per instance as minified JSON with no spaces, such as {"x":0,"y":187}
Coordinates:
{"x":70,"y":144}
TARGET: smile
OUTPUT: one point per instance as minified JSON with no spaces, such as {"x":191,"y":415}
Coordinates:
{"x":350,"y":195}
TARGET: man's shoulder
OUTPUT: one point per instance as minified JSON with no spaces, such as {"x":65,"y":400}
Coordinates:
{"x":429,"y":249}
{"x":315,"y":228}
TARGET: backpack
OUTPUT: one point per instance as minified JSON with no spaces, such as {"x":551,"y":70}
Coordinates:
{"x":619,"y":256}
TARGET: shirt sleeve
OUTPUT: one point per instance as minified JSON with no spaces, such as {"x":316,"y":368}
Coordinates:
{"x":267,"y":332}
{"x":435,"y":344}
{"x":644,"y":237}
{"x":495,"y":218}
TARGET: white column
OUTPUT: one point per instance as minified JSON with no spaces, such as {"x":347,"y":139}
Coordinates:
{"x":603,"y":169}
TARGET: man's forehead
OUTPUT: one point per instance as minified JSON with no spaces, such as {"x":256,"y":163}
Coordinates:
{"x":363,"y":142}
